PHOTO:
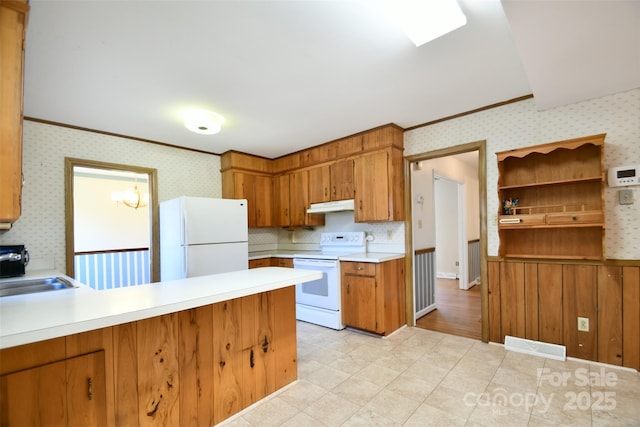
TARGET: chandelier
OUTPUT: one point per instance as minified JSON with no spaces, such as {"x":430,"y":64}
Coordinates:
{"x":131,"y":198}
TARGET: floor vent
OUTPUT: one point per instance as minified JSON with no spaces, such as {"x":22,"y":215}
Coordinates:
{"x":536,"y":348}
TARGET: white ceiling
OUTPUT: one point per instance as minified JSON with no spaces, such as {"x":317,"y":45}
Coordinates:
{"x":288,"y":75}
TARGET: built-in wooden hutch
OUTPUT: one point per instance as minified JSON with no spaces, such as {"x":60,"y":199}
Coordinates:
{"x":552,"y":272}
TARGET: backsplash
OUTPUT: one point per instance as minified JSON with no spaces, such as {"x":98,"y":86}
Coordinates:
{"x":387,"y":236}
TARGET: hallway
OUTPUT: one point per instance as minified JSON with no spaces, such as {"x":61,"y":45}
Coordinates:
{"x":458,"y":313}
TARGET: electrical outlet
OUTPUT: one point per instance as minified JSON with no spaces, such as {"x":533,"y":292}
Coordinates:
{"x":389,"y":234}
{"x":457,"y":263}
{"x":583,"y":324}
{"x":419,"y":223}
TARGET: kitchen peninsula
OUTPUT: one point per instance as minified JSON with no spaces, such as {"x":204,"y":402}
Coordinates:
{"x":184,"y":352}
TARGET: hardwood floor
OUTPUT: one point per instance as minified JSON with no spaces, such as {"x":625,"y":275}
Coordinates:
{"x":458,"y":311}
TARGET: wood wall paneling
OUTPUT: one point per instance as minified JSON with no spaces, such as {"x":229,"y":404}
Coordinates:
{"x":512,"y":299}
{"x":495,"y":310}
{"x":284,"y":343}
{"x":227,"y":359}
{"x":125,"y":374}
{"x":631,"y":317}
{"x":158,"y":373}
{"x":580,"y":299}
{"x":195,"y":354}
{"x":610,"y":314}
{"x":550,"y":297}
{"x":531,"y":317}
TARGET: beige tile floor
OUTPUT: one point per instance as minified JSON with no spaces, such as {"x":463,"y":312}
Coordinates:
{"x":417,"y":377}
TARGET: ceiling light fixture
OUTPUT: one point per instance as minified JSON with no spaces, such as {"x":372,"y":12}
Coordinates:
{"x":131,"y":197}
{"x":425,"y":20}
{"x":203,"y":121}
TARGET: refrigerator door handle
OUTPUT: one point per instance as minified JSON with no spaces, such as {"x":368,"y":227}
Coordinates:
{"x":185,"y":269}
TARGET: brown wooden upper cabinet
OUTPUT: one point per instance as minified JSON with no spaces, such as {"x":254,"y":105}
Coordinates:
{"x":552,"y":200}
{"x":331,"y":182}
{"x":13,"y":18}
{"x":367,"y":167}
{"x":257,"y":189}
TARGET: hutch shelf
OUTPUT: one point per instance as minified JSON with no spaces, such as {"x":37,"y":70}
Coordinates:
{"x":552,"y":200}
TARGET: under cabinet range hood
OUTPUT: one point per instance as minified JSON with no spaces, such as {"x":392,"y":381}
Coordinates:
{"x":337,"y":206}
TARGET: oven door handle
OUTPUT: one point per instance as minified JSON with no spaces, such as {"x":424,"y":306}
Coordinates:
{"x":313,"y":263}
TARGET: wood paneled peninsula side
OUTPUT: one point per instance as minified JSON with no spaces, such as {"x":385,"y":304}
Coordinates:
{"x":185,"y":352}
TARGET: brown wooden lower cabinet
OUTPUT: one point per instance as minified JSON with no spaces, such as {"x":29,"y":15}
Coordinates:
{"x":373,"y":295}
{"x":542,"y":301}
{"x":69,"y":392}
{"x":195,"y":367}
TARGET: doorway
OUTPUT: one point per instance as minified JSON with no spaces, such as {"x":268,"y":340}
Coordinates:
{"x":111,"y":216}
{"x":470,"y":255}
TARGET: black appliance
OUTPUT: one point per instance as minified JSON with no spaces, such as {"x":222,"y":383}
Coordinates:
{"x":13,"y":260}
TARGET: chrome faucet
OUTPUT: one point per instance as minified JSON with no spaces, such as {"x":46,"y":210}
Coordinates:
{"x":12,"y":256}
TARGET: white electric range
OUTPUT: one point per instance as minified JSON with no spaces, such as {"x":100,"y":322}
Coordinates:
{"x":319,"y":301}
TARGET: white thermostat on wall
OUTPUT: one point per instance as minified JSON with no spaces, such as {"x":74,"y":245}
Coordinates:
{"x":621,"y":176}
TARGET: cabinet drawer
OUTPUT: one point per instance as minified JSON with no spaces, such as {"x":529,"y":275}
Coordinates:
{"x":596,"y":217}
{"x":517,"y":221}
{"x":261,"y":262}
{"x":359,"y":268}
{"x":282,"y":262}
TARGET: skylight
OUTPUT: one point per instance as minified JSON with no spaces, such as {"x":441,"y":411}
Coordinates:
{"x":425,"y":20}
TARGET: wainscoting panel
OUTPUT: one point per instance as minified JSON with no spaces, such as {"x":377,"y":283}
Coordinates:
{"x":473,"y":256}
{"x":424,"y":281}
{"x":108,"y":270}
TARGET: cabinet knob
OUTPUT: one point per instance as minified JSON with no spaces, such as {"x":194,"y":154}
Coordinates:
{"x":575,"y":218}
{"x":89,"y":389}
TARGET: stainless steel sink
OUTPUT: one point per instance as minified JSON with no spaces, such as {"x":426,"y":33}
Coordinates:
{"x":32,"y":286}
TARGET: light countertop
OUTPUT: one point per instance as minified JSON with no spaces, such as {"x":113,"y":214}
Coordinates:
{"x":375,"y":257}
{"x":35,"y":317}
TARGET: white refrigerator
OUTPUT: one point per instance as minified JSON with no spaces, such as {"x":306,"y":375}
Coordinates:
{"x":201,"y":236}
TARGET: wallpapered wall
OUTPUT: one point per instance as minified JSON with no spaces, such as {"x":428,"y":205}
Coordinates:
{"x":42,"y":224}
{"x":180,"y":172}
{"x":521,"y":124}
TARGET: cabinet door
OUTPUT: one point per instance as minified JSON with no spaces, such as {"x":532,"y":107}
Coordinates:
{"x":319,"y":184}
{"x":298,"y":197}
{"x":12,"y":23}
{"x":281,"y":201}
{"x":342,"y":180}
{"x":359,"y":302}
{"x":34,"y":397}
{"x":371,"y":177}
{"x":263,"y":199}
{"x":86,"y":390}
{"x":244,"y":185}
